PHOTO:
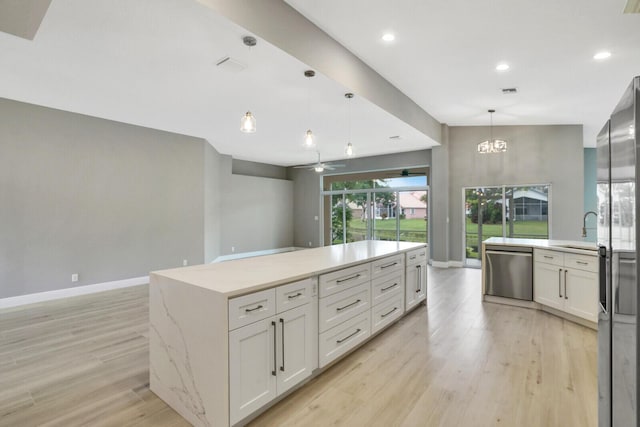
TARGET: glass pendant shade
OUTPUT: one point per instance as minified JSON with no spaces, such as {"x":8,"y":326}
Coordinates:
{"x":248,"y":123}
{"x":308,"y":139}
{"x":318,"y":168}
{"x":349,"y":150}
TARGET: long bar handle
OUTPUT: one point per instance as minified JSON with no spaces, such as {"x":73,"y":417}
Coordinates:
{"x":294,"y":296}
{"x":348,"y":336}
{"x":419,"y":282}
{"x":282,"y":326}
{"x":249,"y":310}
{"x":565,"y":285}
{"x":348,"y":305}
{"x":273,"y":372}
{"x":388,"y":313}
{"x":582,"y":263}
{"x":382,"y":267}
{"x":389,"y":287}
{"x":355,"y":276}
{"x":559,"y":283}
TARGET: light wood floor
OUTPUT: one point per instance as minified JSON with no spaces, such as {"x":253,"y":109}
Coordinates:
{"x":456,"y":362}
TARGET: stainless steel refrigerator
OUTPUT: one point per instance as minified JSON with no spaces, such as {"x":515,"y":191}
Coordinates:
{"x":618,"y":165}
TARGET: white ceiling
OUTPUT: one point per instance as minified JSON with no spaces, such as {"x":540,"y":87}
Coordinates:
{"x":445,"y":54}
{"x":152,"y":64}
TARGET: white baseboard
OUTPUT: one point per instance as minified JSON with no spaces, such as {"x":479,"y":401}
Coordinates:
{"x":446,"y":264}
{"x":71,"y":292}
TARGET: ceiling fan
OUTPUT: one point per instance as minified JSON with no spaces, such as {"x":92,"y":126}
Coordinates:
{"x":405,"y":172}
{"x":320,"y":166}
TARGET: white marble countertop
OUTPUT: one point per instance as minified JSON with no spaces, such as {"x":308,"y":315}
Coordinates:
{"x":585,"y":248}
{"x":242,"y":276}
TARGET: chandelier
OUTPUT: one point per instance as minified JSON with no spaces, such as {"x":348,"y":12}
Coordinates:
{"x":492,"y":145}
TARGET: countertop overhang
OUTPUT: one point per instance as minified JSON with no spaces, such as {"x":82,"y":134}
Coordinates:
{"x":584,"y":248}
{"x":243,"y":276}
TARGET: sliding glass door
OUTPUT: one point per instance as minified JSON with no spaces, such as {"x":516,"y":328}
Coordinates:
{"x":394,"y":209}
{"x":504,"y":211}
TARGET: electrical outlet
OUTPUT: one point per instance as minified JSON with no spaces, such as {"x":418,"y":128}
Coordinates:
{"x":184,"y":263}
{"x":74,"y":277}
{"x":315,"y":218}
{"x":233,"y":249}
{"x":309,"y":244}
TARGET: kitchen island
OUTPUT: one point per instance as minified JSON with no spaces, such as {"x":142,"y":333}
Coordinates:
{"x":228,"y":340}
{"x":564,"y":276}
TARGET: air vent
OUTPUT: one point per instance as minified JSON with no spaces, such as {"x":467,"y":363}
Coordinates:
{"x":509,"y":90}
{"x":394,"y":137}
{"x":229,"y":64}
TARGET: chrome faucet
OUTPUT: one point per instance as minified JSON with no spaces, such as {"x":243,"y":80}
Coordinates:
{"x":584,"y":222}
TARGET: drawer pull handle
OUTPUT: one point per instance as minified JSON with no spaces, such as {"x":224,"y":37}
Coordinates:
{"x":548,"y":257}
{"x":382,"y":267}
{"x":389,"y":287}
{"x":413,"y":257}
{"x":348,"y":305}
{"x":282,"y":324}
{"x":386,"y":314}
{"x":565,"y":285}
{"x":294,"y":296}
{"x":582,"y":263}
{"x":348,"y":336}
{"x":559,"y":283}
{"x":273,"y":372}
{"x":355,"y":276}
{"x":249,"y":310}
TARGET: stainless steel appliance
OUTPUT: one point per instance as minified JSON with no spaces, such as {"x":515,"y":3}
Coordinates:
{"x":617,"y":171}
{"x":508,"y":273}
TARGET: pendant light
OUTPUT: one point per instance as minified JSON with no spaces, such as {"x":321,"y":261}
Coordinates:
{"x":349,"y":148}
{"x":308,"y":138}
{"x":248,"y":121}
{"x":492,"y":145}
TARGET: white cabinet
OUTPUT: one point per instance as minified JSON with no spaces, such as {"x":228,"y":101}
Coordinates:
{"x":268,"y":357}
{"x":416,"y":284}
{"x":566,"y":282}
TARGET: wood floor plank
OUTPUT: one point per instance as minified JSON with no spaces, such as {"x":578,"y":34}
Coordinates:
{"x":456,"y":361}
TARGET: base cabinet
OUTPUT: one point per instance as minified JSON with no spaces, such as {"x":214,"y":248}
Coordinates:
{"x":566,"y":282}
{"x":268,"y":357}
{"x":416,"y":284}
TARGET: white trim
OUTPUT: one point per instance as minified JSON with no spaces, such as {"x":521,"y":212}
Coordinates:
{"x":71,"y":292}
{"x":446,"y":264}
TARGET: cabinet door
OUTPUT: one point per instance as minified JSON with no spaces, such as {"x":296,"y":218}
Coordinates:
{"x":295,"y":346}
{"x":411,"y":287}
{"x":252,"y":367}
{"x":581,"y":294}
{"x":547,"y":281}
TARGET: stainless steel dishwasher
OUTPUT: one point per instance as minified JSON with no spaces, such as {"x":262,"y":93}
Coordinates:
{"x":509,"y":272}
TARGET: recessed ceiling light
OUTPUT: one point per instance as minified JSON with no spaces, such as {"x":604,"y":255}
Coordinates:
{"x":503,"y":66}
{"x":602,"y":55}
{"x":388,"y":37}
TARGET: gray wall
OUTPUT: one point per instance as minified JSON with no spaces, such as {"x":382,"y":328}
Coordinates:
{"x":439,"y":186}
{"x":536,"y":155}
{"x":306,"y":207}
{"x":245,"y":167}
{"x":112,"y":201}
{"x":105,"y":200}
{"x":258,"y":214}
{"x":590,"y":192}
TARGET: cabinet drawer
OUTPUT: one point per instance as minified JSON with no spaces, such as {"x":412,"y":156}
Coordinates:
{"x":251,"y":308}
{"x":386,"y":312}
{"x":339,"y":307}
{"x":549,"y":257}
{"x":387,"y":265}
{"x":417,"y":255}
{"x":581,"y":262}
{"x":294,"y":294}
{"x":337,"y":341}
{"x":337,"y":281}
{"x":383,"y":288}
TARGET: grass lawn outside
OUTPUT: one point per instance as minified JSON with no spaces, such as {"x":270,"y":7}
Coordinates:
{"x":522,"y":229}
{"x":411,"y":230}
